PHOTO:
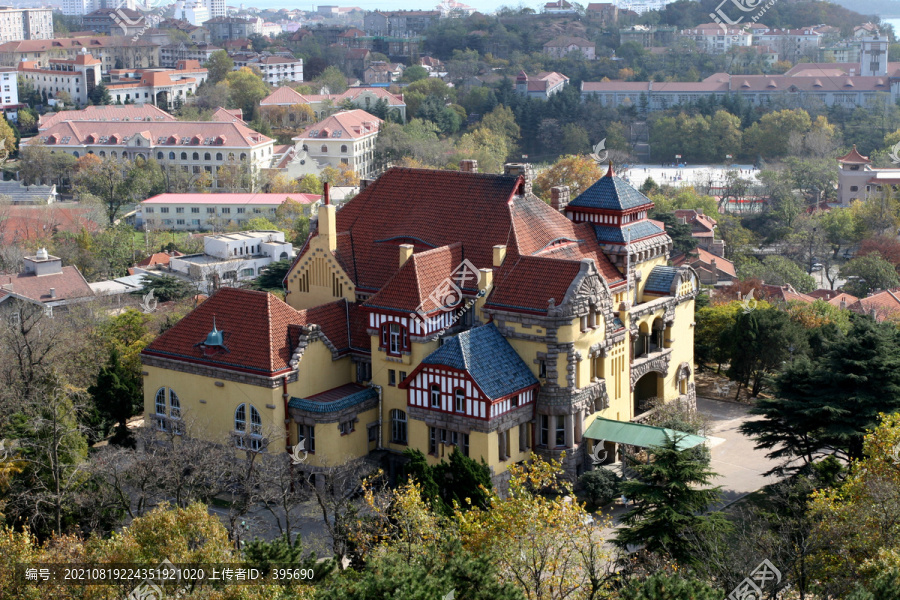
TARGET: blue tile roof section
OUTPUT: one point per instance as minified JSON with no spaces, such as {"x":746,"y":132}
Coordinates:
{"x":660,"y":280}
{"x":638,"y":230}
{"x":610,"y":193}
{"x":335,"y":405}
{"x":488,"y":358}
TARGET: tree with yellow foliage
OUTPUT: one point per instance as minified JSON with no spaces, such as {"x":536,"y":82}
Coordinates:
{"x":578,"y":172}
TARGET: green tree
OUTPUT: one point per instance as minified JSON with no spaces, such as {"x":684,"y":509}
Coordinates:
{"x":682,"y":240}
{"x":670,"y":497}
{"x":117,"y":397}
{"x":118,"y":183}
{"x":219,"y":66}
{"x":414,"y":73}
{"x":100,"y":95}
{"x":574,"y":139}
{"x":769,"y":136}
{"x":777,"y":270}
{"x":824,"y":404}
{"x":333,"y":79}
{"x":259,"y":224}
{"x":272,"y":276}
{"x":166,"y":287}
{"x":600,"y":486}
{"x":246,"y":89}
{"x":462,"y":480}
{"x":759,"y":343}
{"x":662,"y":586}
{"x":868,"y":273}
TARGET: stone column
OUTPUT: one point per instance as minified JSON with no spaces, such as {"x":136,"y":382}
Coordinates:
{"x":570,"y":431}
{"x":579,"y":424}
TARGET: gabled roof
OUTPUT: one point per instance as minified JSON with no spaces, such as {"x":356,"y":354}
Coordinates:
{"x":283,"y":96}
{"x":883,"y":304}
{"x":260,"y":331}
{"x":411,"y":287}
{"x":785,"y":293}
{"x":162,"y":134}
{"x":489,"y":360}
{"x":159,"y":258}
{"x":228,"y":115}
{"x":706,"y":258}
{"x":610,"y":193}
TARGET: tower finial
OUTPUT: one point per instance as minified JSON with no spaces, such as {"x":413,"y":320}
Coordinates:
{"x":610,"y":172}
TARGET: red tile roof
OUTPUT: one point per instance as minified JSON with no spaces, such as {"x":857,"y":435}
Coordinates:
{"x":76,"y":133}
{"x":785,"y":293}
{"x":227,"y":115}
{"x":260,"y":331}
{"x":410,"y":288}
{"x":352,"y":124}
{"x":68,"y":285}
{"x":30,"y":223}
{"x":705,"y":258}
{"x":112,"y":112}
{"x":433,"y":209}
{"x":883,"y":305}
{"x":159,"y":259}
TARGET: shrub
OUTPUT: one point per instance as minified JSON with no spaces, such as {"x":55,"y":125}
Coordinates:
{"x":600,"y":486}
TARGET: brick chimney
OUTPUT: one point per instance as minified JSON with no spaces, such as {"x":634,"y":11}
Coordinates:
{"x":468,"y":166}
{"x":406,"y":250}
{"x":843,"y":304}
{"x":521,"y":169}
{"x":559,"y":197}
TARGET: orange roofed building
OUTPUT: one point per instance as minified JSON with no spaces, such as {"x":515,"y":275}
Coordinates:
{"x":442,"y":310}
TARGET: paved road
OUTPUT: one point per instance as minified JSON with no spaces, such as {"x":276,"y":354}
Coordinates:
{"x":739,"y":465}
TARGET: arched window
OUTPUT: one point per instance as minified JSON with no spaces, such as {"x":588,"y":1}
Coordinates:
{"x":435,"y":393}
{"x":344,"y":148}
{"x":174,"y":405}
{"x":218,"y":156}
{"x":243,"y":156}
{"x":102,"y":154}
{"x":459,"y":400}
{"x":398,"y":426}
{"x":171,"y":156}
{"x":161,"y":401}
{"x":75,"y":154}
{"x":324,"y":149}
{"x":207,"y":156}
{"x":113,"y":154}
{"x":196,"y":156}
{"x":184,"y":156}
{"x":159,"y":156}
{"x":240,"y":418}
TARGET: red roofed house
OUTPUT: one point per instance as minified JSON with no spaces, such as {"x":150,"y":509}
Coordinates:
{"x":443,"y":310}
{"x":563,"y":46}
{"x":158,"y":260}
{"x":111,"y":112}
{"x":703,"y":229}
{"x":159,"y":87}
{"x":45,"y":282}
{"x":711,"y":268}
{"x":881,"y":306}
{"x":606,"y":12}
{"x":324,"y":105}
{"x":76,"y":77}
{"x":541,"y":86}
{"x":344,"y":138}
{"x":858,"y":179}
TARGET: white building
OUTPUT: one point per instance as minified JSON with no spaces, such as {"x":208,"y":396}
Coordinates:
{"x":156,"y":86}
{"x":232,"y":257}
{"x":344,"y":138}
{"x":75,"y":77}
{"x":194,"y":12}
{"x":196,"y":212}
{"x":9,"y":99}
{"x":216,"y":8}
{"x":711,"y":38}
{"x":274,"y":69}
{"x":25,"y":24}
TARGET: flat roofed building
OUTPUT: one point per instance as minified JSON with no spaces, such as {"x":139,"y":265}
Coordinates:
{"x":214,"y":211}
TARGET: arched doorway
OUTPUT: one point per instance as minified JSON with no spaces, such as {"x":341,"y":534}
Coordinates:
{"x":162,"y":100}
{"x":647,"y":389}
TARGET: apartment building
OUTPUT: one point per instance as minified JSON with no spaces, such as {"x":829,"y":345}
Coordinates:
{"x":112,"y":51}
{"x":25,"y":24}
{"x":160,"y":87}
{"x":222,"y":29}
{"x":214,"y":155}
{"x":76,"y":78}
{"x":344,"y":138}
{"x":198,"y":212}
{"x":274,"y":69}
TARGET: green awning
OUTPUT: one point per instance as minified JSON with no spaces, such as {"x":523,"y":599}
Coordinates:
{"x":636,"y":434}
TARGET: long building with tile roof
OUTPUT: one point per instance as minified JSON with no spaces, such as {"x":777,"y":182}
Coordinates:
{"x":442,"y":310}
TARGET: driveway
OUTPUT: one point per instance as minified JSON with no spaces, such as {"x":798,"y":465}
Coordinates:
{"x":739,"y":465}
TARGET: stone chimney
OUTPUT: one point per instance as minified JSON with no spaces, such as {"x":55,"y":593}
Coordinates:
{"x":53,"y":292}
{"x":559,"y":197}
{"x":468,"y":166}
{"x":364,"y":183}
{"x":843,"y":304}
{"x":328,"y":223}
{"x":682,"y":220}
{"x":715,"y":270}
{"x":520,"y":169}
{"x":499,"y":255}
{"x":406,"y":250}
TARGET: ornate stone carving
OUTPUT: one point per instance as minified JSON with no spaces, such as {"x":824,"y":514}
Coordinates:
{"x":658,"y":361}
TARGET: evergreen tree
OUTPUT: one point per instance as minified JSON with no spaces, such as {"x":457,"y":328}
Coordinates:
{"x":117,"y":397}
{"x":825,"y":404}
{"x":661,"y":586}
{"x":166,"y":287}
{"x":462,"y":480}
{"x":100,"y":95}
{"x":667,"y":503}
{"x":284,"y":553}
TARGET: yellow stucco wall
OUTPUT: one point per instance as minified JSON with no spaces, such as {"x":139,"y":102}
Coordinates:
{"x":332,"y":448}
